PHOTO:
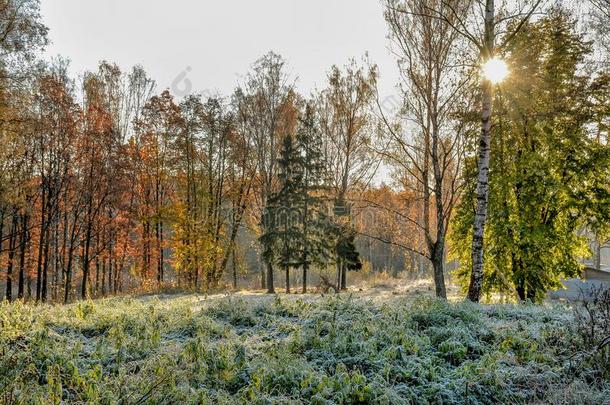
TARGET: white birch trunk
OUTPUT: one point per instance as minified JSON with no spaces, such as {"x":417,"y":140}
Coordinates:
{"x":476,"y":279}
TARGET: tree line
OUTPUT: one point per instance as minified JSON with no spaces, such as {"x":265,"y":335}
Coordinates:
{"x":108,"y":185}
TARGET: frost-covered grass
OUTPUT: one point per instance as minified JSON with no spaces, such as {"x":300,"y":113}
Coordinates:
{"x":289,"y":350}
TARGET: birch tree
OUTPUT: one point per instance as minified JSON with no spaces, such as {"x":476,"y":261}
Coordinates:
{"x":479,"y":26}
{"x":347,"y":123}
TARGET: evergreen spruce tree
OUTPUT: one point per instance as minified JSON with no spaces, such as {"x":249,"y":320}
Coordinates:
{"x":300,"y":232}
{"x":282,"y":241}
{"x":317,"y":234}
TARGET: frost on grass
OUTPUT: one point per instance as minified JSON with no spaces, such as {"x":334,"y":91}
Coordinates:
{"x":322,"y":351}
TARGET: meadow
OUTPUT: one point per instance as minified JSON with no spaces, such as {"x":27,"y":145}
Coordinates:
{"x":341,"y":349}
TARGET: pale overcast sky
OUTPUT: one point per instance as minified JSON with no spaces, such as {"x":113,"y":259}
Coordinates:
{"x":220,"y":39}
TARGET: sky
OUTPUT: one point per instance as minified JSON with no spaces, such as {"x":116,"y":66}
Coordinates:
{"x":211,"y":44}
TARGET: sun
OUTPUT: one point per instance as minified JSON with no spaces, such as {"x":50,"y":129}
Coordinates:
{"x":495,"y":70}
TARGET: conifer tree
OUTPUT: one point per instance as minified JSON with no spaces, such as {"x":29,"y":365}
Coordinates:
{"x":282,"y":241}
{"x":299,"y":230}
{"x":317,"y":234}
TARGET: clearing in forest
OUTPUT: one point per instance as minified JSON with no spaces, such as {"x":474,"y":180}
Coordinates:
{"x":255,"y":348}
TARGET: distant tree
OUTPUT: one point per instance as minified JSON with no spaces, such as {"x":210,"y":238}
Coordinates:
{"x":22,"y":34}
{"x":270,"y":102}
{"x":301,"y":231}
{"x":347,"y":123}
{"x":241,"y":177}
{"x":158,"y":127}
{"x":318,"y":233}
{"x":599,"y":19}
{"x":55,"y":133}
{"x":427,"y":146}
{"x":283,"y":235}
{"x":189,"y":239}
{"x":22,"y":31}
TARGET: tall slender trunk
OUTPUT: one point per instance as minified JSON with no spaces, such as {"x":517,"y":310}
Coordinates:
{"x":118,"y":286}
{"x":598,"y":253}
{"x":45,"y":266}
{"x":68,"y":281}
{"x":2,"y":210}
{"x":64,"y":244}
{"x":161,"y":258}
{"x":234,"y":263}
{"x":70,"y":258}
{"x":22,"y":248}
{"x":103,"y":286}
{"x":263,"y":276}
{"x":438,"y":266}
{"x":287,"y":271}
{"x":519,"y":280}
{"x":97,"y":267}
{"x":343,"y":277}
{"x":339,"y":273}
{"x":40,"y":245}
{"x":305,"y":269}
{"x":110,"y":263}
{"x":305,"y":221}
{"x":115,"y":276}
{"x":11,"y":255}
{"x":107,"y":289}
{"x":145,"y":243}
{"x":86,"y":261}
{"x":438,"y":250}
{"x":476,"y":277}
{"x":270,"y":289}
{"x":56,"y":259}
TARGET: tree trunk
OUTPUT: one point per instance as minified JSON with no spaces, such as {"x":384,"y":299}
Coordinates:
{"x":97,"y":274}
{"x":40,"y":246}
{"x":263,"y":276}
{"x":161,"y":258}
{"x":438,"y":266}
{"x":103,"y":277}
{"x":45,"y":267}
{"x":305,"y":269}
{"x":145,"y":248}
{"x":339,"y":274}
{"x":110,"y":268}
{"x":56,"y":260}
{"x":287,"y":271}
{"x":343,"y":277}
{"x":68,"y":285}
{"x":521,"y":291}
{"x":11,"y":255}
{"x":2,"y":210}
{"x":22,"y":248}
{"x":270,"y":289}
{"x":476,"y":277}
{"x":598,"y":253}
{"x":234,"y":263}
{"x":86,"y":261}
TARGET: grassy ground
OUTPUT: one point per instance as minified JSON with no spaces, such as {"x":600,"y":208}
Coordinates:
{"x":250,"y":348}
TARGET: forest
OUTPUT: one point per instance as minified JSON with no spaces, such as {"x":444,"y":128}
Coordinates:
{"x":272,"y":246}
